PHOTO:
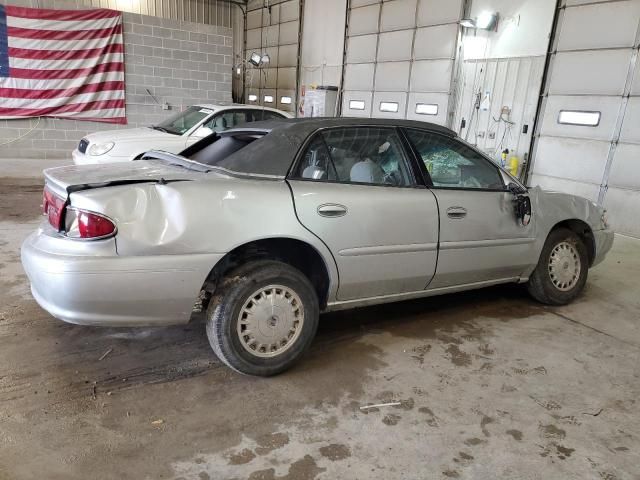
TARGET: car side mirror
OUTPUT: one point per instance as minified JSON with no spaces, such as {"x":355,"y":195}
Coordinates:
{"x":516,"y":189}
{"x":202,"y":132}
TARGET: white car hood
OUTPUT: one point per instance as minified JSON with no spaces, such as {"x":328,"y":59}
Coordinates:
{"x":128,"y":134}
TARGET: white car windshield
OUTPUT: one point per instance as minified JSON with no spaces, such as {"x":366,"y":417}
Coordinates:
{"x":184,"y":121}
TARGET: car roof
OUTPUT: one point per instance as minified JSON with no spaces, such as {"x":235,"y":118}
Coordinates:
{"x":285,"y":137}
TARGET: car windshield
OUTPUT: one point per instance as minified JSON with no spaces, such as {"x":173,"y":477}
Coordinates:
{"x":184,"y":121}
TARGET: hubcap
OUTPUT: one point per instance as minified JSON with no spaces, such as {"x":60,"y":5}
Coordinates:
{"x":564,"y":266}
{"x":270,"y":321}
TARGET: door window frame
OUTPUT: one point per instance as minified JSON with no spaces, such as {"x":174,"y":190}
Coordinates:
{"x":425,"y":173}
{"x":416,"y":180}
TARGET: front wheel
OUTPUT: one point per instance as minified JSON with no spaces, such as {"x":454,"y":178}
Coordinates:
{"x":562,"y":269}
{"x":262,"y":317}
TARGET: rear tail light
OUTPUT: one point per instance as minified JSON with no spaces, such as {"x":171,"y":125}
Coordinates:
{"x":83,"y":224}
{"x":53,"y":206}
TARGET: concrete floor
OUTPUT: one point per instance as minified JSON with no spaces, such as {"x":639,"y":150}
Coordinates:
{"x":490,"y":384}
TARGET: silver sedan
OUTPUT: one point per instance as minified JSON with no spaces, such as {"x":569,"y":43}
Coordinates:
{"x":264,"y":227}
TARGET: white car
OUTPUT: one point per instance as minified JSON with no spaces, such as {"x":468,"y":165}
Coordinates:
{"x":172,"y":135}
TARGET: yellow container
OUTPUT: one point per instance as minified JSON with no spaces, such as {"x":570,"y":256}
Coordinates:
{"x":514,"y":163}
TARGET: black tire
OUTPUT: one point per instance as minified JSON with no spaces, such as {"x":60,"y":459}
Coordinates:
{"x":229,"y":298}
{"x":541,"y":284}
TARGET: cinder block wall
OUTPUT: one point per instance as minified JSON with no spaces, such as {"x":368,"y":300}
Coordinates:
{"x":180,"y":63}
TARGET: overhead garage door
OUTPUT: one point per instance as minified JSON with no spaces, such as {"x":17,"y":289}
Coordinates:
{"x":589,"y":132}
{"x":273,"y":30}
{"x":400,"y":58}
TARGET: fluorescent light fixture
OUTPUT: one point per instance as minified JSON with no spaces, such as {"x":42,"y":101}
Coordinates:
{"x":427,"y":109}
{"x":356,"y":104}
{"x":255,"y":59}
{"x":468,"y":23}
{"x":389,"y":107}
{"x":487,"y":21}
{"x":285,"y":100}
{"x":253,"y":97}
{"x":577,"y":117}
{"x":268,"y":99}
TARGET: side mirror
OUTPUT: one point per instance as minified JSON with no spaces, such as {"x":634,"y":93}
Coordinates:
{"x":202,"y":132}
{"x":516,"y":189}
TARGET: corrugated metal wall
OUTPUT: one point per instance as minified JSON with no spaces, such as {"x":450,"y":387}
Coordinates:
{"x":212,"y":12}
{"x":588,"y":140}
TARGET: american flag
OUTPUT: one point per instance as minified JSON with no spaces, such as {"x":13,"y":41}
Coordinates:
{"x":61,"y":63}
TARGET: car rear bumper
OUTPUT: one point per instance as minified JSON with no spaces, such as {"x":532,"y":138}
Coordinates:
{"x":110,"y":290}
{"x":604,"y":242}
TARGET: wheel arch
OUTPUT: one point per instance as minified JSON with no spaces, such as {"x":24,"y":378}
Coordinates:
{"x":583,"y":231}
{"x":297,"y":253}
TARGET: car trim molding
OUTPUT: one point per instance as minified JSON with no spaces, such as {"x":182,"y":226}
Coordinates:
{"x":500,"y":242}
{"x":387,"y":249}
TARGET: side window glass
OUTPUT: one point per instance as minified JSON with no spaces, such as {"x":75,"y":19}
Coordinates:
{"x":368,"y":155}
{"x":221,"y":122}
{"x":316,"y":163}
{"x":272,"y":115}
{"x":452,"y":164}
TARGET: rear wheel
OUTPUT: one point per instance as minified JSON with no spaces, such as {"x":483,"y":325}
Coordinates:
{"x":262,"y":317}
{"x":562,"y":269}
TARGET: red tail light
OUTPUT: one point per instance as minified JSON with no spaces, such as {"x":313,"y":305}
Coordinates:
{"x":53,"y":206}
{"x":87,"y":225}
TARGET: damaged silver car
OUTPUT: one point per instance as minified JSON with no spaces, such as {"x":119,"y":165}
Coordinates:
{"x":267,"y":226}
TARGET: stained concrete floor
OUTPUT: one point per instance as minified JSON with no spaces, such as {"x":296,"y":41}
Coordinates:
{"x":490,"y":384}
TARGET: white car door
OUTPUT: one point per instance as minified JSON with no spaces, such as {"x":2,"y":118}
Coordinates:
{"x":354,"y":188}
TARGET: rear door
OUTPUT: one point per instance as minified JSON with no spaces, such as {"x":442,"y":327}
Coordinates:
{"x":355,"y":189}
{"x":480,"y":237}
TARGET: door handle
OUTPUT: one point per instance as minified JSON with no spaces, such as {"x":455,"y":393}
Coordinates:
{"x":456,"y":212}
{"x":332,"y":210}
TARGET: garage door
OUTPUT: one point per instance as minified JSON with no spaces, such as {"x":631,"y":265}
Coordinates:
{"x":400,"y":58}
{"x":589,"y":132}
{"x":273,"y":30}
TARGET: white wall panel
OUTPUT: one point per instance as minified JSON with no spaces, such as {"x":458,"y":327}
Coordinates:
{"x":357,"y":96}
{"x":622,"y":208}
{"x":398,"y":14}
{"x":576,"y":72}
{"x":439,"y":99}
{"x":399,"y":98}
{"x":431,"y":75}
{"x":436,"y":42}
{"x":364,"y":20}
{"x":438,"y":12}
{"x":392,"y":76}
{"x":631,"y":126}
{"x":601,"y":25}
{"x":395,"y":46}
{"x":625,"y":170}
{"x":572,"y":159}
{"x":359,"y":76}
{"x":362,"y":49}
{"x":607,"y":106}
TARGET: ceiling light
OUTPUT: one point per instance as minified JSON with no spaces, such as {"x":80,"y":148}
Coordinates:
{"x":487,"y":20}
{"x":468,"y":23}
{"x":255,"y":59}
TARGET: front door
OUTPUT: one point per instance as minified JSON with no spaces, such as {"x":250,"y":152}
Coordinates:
{"x":354,"y":189}
{"x":480,"y":237}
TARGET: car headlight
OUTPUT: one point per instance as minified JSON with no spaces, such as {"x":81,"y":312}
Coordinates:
{"x":100,"y":148}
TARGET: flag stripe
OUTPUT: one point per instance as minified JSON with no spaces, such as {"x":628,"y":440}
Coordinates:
{"x":50,"y":14}
{"x":52,"y":74}
{"x":63,"y":34}
{"x":58,"y":83}
{"x":39,"y":24}
{"x":31,"y":64}
{"x":62,"y":101}
{"x":64,"y":54}
{"x":55,"y":111}
{"x":59,"y":92}
{"x":35,"y":44}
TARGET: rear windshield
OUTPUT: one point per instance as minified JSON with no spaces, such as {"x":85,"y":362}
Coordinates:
{"x":270,"y":155}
